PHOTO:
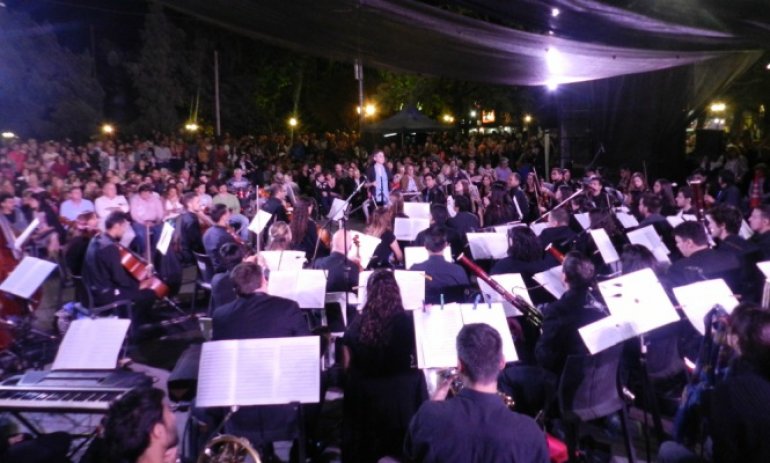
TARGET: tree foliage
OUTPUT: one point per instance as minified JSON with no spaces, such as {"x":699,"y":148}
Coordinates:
{"x":45,"y":89}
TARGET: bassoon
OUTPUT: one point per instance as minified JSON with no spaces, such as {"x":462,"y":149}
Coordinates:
{"x":530,"y":313}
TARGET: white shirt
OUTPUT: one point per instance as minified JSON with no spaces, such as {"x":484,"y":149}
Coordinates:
{"x":105,"y":205}
{"x":70,"y":211}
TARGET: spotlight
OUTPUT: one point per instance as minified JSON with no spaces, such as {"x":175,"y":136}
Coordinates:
{"x":108,"y":129}
{"x":293,"y":122}
{"x":555,"y":12}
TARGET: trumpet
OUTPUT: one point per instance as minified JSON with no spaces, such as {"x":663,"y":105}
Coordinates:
{"x":457,"y":384}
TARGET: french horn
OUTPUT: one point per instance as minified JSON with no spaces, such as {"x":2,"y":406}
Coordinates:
{"x":229,"y":449}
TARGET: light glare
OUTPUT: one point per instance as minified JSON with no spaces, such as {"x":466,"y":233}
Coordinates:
{"x":9,"y":135}
{"x":555,"y":12}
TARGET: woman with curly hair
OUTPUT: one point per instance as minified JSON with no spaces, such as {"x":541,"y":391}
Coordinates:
{"x":384,"y":388}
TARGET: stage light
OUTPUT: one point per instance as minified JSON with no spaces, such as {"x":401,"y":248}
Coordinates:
{"x":293,"y":122}
{"x":108,"y":129}
{"x":527,"y":119}
{"x":473,"y":113}
{"x":555,"y":12}
{"x":448,"y":118}
{"x":191,"y":127}
{"x":8,"y":135}
{"x":718,"y":107}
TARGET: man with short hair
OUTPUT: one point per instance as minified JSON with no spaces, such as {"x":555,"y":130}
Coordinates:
{"x":475,"y":426}
{"x":147,"y":212}
{"x":342,"y":273}
{"x":75,"y":205}
{"x":217,"y":235}
{"x":518,"y":198}
{"x":558,"y":234}
{"x":759,"y":221}
{"x":684,"y":201}
{"x":649,"y":209}
{"x":228,"y":199}
{"x":442,"y":277}
{"x":699,"y":262}
{"x":432,"y":193}
{"x":724,"y":225}
{"x":110,"y":201}
{"x":140,"y":428}
{"x":377,"y":175}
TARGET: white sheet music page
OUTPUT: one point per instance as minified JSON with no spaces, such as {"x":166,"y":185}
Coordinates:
{"x":283,"y":260}
{"x":417,"y":210}
{"x":698,"y":298}
{"x":27,"y":277}
{"x":337,"y":211}
{"x":649,"y":238}
{"x":503,"y":229}
{"x":538,"y":227}
{"x":260,"y":220}
{"x":306,"y":287}
{"x":604,"y":245}
{"x":435,"y":332}
{"x":764,"y":267}
{"x":18,"y":243}
{"x":91,"y":344}
{"x":488,"y":245}
{"x":607,"y":332}
{"x":584,"y":220}
{"x":368,"y":244}
{"x":268,"y":371}
{"x":639,"y":298}
{"x":407,"y":229}
{"x":551,"y":281}
{"x":418,"y":254}
{"x":495,"y":317}
{"x":513,"y":283}
{"x":165,"y":238}
{"x":626,"y":219}
{"x":411,"y":284}
{"x":745,"y":232}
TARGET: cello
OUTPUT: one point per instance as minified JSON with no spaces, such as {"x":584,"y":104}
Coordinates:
{"x":142,"y":271}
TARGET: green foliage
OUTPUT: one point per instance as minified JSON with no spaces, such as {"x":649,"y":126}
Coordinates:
{"x":45,"y":90}
{"x":161,"y":74}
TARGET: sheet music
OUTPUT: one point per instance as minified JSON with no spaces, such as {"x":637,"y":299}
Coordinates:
{"x":259,"y":372}
{"x":649,"y":238}
{"x":584,"y":220}
{"x":745,"y":232}
{"x":435,"y":332}
{"x":488,"y":245}
{"x":627,"y":220}
{"x":418,"y":254}
{"x":368,"y":244}
{"x":675,"y":220}
{"x":284,"y":260}
{"x":260,"y":221}
{"x":495,"y":317}
{"x":698,"y":298}
{"x":764,"y":267}
{"x":92,"y":344}
{"x":411,"y":284}
{"x":407,"y":229}
{"x":27,"y":277}
{"x":639,"y":297}
{"x":417,"y":210}
{"x":306,"y":287}
{"x":551,"y":281}
{"x":18,"y":243}
{"x":337,"y":210}
{"x":604,"y":245}
{"x":165,"y":238}
{"x":514,"y":283}
{"x":538,"y":227}
{"x":607,"y":332}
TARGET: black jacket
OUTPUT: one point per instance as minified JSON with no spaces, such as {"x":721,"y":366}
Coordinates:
{"x":336,"y":280}
{"x":445,"y":278}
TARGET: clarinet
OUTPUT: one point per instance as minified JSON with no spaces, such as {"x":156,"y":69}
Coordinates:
{"x":529,"y":312}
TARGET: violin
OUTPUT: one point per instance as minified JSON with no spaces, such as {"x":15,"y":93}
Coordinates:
{"x":142,"y":272}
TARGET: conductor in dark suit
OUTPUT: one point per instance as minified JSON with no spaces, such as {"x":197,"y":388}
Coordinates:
{"x":256,"y":314}
{"x":442,"y":277}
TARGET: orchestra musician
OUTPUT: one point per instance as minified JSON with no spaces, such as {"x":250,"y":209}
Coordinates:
{"x":388,"y":250}
{"x":724,"y":225}
{"x":699,"y":261}
{"x":106,"y":277}
{"x":759,"y":221}
{"x":442,"y":277}
{"x":217,"y":235}
{"x":275,"y":204}
{"x":256,"y":315}
{"x":341,"y":272}
{"x":304,"y":232}
{"x":474,"y":426}
{"x":187,"y":237}
{"x":518,"y":198}
{"x":278,"y":237}
{"x":80,"y":234}
{"x":684,"y":201}
{"x":558,"y":233}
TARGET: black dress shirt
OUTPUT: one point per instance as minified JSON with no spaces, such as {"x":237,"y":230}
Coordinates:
{"x":336,"y":279}
{"x":213,"y":240}
{"x":474,"y":427}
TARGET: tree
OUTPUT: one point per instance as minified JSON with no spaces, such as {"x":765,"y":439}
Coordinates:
{"x":45,"y":90}
{"x":160,"y":75}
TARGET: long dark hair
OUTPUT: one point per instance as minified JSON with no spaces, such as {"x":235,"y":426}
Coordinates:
{"x":383,"y":302}
{"x":299,"y":220}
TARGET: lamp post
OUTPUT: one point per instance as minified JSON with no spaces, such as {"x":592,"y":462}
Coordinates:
{"x":108,"y":129}
{"x":292,"y":125}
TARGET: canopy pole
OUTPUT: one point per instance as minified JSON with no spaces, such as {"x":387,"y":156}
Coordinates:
{"x":358,"y":69}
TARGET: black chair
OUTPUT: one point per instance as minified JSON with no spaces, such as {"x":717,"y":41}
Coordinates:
{"x":451,"y":294}
{"x":589,"y":389}
{"x":85,"y":297}
{"x":203,"y":280}
{"x":65,"y":279}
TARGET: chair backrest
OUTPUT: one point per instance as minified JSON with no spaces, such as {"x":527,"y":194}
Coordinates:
{"x":663,"y":358}
{"x":205,"y":267}
{"x":588,"y":388}
{"x":82,"y":292}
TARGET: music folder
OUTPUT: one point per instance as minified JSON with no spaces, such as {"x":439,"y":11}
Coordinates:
{"x":27,"y":277}
{"x":604,"y":245}
{"x":271,"y":371}
{"x":698,"y":298}
{"x":260,"y":221}
{"x":367,"y":245}
{"x":513,"y":283}
{"x":418,"y":254}
{"x":91,"y":344}
{"x":637,"y":303}
{"x":407,"y":229}
{"x":551,"y":281}
{"x":436,"y":328}
{"x":410,"y":283}
{"x":417,"y":210}
{"x":337,"y":209}
{"x":284,"y":260}
{"x":306,"y":287}
{"x":649,"y":238}
{"x":488,"y":245}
